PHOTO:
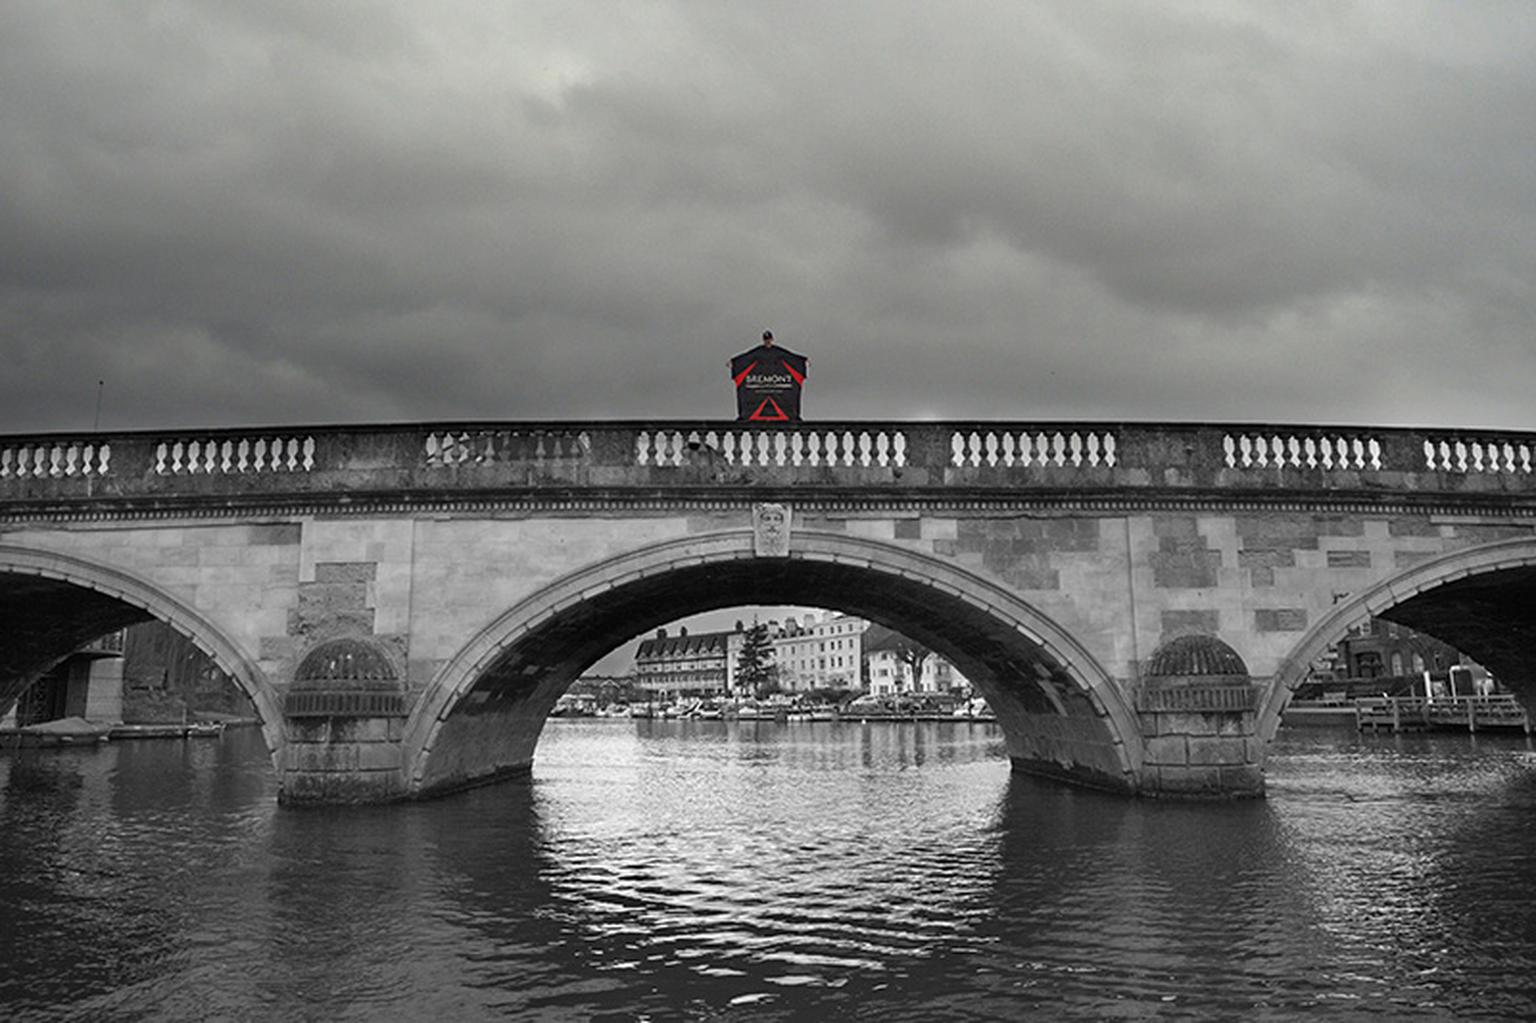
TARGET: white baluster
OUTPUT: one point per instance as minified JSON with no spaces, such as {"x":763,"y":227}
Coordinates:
{"x":1110,"y":446}
{"x":1058,"y":448}
{"x":850,"y":452}
{"x":989,"y":444}
{"x":1245,"y":445}
{"x":1461,"y":456}
{"x":1358,"y":446}
{"x":1525,"y":458}
{"x":71,"y":456}
{"x":1374,"y":446}
{"x":1075,"y":442}
{"x":882,"y":449}
{"x":1093,"y":449}
{"x":308,"y":452}
{"x":5,"y":463}
{"x":1230,"y":447}
{"x":899,"y":449}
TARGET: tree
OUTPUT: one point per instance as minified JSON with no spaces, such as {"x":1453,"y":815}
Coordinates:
{"x":914,"y":655}
{"x":754,"y":670}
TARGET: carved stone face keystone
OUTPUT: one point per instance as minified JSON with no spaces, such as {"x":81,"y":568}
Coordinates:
{"x":770,"y":530}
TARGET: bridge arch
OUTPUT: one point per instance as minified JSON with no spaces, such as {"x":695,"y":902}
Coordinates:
{"x":1478,"y":599}
{"x":103,"y":598}
{"x":1060,"y":711}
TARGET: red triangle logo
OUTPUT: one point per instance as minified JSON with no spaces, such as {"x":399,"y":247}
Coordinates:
{"x":768,"y":412}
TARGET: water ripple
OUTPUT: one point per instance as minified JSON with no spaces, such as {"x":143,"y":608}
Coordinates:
{"x":706,"y":871}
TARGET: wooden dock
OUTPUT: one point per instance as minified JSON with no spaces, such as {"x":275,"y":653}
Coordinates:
{"x":1416,"y":713}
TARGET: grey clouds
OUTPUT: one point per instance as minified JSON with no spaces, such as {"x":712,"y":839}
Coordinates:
{"x":296,"y":212}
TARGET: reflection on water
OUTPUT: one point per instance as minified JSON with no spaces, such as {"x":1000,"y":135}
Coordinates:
{"x":766,"y":871}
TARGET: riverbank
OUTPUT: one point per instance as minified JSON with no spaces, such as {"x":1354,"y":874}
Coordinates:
{"x":76,"y":731}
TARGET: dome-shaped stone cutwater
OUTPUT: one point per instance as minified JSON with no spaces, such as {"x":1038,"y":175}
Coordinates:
{"x":1195,"y":656}
{"x":1196,"y":673}
{"x":345,"y":678}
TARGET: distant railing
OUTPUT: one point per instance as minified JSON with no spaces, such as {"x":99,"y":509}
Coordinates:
{"x":974,"y":457}
{"x":1409,"y":713}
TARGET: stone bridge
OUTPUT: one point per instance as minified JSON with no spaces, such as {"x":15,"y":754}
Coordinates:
{"x":404,"y":604}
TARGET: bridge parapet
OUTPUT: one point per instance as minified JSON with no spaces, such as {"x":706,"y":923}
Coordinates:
{"x":914,"y":459}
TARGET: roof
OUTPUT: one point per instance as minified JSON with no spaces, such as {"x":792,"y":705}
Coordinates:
{"x":671,"y":648}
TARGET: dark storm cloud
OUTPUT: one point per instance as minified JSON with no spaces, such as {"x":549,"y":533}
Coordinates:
{"x":240,"y":212}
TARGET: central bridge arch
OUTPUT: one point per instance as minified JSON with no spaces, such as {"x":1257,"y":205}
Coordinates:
{"x":1060,"y":711}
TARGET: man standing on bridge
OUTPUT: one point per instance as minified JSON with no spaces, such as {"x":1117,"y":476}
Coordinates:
{"x":768,"y":381}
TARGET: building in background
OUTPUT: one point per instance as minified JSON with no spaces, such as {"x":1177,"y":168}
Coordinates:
{"x":684,"y":665}
{"x":1379,"y":656}
{"x":818,"y":650}
{"x":890,"y":668}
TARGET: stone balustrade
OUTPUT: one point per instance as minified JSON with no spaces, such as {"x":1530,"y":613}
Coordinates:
{"x":1295,"y":450}
{"x":969,"y":459}
{"x":227,"y":455}
{"x":53,"y":459}
{"x":1008,"y":447}
{"x":775,"y":447}
{"x":1472,"y":454}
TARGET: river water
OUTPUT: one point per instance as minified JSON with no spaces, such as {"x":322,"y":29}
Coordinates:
{"x":707,"y":870}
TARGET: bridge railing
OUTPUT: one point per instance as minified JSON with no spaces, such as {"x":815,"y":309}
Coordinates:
{"x":976,"y":456}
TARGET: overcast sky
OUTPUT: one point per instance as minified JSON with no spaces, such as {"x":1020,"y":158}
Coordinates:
{"x":287,"y":211}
